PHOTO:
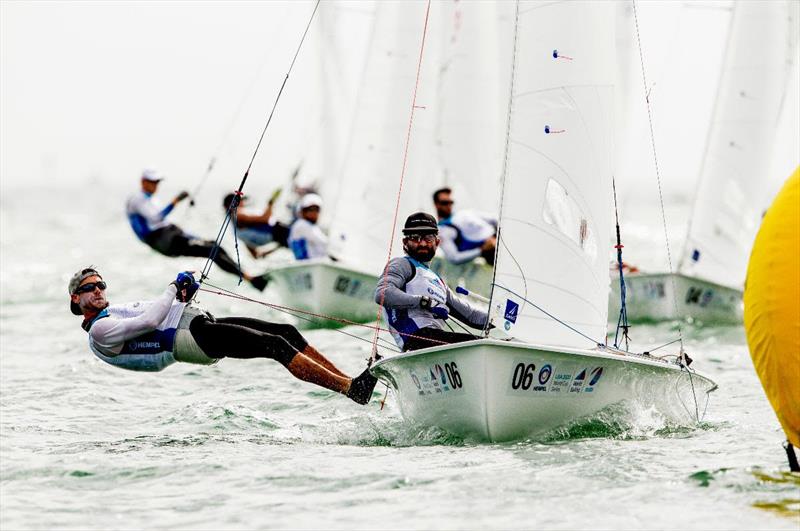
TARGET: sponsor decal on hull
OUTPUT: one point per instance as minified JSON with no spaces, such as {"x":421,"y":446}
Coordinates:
{"x":437,"y":379}
{"x":543,"y":378}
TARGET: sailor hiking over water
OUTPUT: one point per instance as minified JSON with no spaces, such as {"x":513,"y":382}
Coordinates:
{"x":416,"y":301}
{"x":148,"y":219}
{"x":465,"y":235}
{"x":306,"y":239}
{"x":257,"y":230}
{"x":152,"y":335}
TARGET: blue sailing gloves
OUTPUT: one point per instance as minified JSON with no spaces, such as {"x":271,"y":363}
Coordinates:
{"x":438,"y":309}
{"x":440,"y":312}
{"x":187,"y":286}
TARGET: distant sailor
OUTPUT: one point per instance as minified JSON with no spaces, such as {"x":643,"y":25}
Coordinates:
{"x":148,"y":219}
{"x":258,"y":230}
{"x":416,"y":302}
{"x":151,"y":335}
{"x":465,"y":235}
{"x":306,"y":239}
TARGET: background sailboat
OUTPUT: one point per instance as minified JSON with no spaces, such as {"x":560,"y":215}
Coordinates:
{"x":551,"y":278}
{"x":733,"y":183}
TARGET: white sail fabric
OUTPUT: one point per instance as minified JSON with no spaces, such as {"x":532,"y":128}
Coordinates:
{"x":340,"y":43}
{"x":683,"y":45}
{"x":368,"y":191}
{"x":555,"y":217}
{"x":471,"y":102}
{"x":730,"y":195}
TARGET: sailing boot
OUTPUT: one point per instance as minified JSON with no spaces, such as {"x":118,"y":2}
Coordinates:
{"x":361,"y":387}
{"x":260,"y":282}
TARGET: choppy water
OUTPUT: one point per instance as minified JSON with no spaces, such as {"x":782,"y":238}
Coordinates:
{"x":243,"y":445}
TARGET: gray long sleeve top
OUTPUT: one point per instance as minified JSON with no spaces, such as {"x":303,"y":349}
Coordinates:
{"x":399,"y":272}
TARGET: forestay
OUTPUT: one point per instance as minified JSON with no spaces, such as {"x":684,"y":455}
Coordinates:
{"x":555,"y":213}
{"x":733,"y":181}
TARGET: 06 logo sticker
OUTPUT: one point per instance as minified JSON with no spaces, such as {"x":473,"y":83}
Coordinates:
{"x":437,"y":379}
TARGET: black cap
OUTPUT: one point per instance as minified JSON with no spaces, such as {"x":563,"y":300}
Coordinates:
{"x":421,"y":223}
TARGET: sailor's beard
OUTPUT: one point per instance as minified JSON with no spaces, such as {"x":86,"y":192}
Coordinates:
{"x":421,"y":255}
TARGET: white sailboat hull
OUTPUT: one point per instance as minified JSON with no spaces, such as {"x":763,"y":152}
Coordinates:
{"x":649,"y":297}
{"x":327,"y":294}
{"x":475,"y":275}
{"x":498,"y":391}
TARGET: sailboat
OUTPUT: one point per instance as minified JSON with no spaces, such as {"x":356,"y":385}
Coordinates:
{"x":546,"y":363}
{"x":733,"y":184}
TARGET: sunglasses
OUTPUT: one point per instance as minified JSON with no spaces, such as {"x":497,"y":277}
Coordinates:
{"x":445,"y":203}
{"x":88,"y":288}
{"x":416,"y":238}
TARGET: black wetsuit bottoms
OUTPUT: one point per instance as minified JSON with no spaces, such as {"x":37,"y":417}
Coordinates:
{"x":172,"y":241}
{"x":280,"y":233}
{"x":488,"y":256}
{"x":246,"y":338}
{"x":432,"y":337}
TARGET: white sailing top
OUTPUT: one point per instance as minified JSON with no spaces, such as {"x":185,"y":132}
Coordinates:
{"x":463,"y":233}
{"x":306,"y":240}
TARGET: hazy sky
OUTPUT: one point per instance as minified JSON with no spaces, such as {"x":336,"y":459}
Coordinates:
{"x":95,"y":91}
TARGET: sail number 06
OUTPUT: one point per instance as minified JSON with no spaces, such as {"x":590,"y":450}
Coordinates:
{"x":523,"y":376}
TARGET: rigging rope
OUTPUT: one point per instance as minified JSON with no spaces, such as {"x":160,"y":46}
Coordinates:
{"x":400,"y":187}
{"x":658,"y":173}
{"x":301,"y":314}
{"x":598,"y":343}
{"x":237,"y":197}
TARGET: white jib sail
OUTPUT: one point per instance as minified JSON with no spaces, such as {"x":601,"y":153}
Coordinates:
{"x":733,"y":181}
{"x":555,"y":215}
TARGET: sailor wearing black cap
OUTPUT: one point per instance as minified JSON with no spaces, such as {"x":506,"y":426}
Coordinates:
{"x":415,"y":300}
{"x":152,"y":335}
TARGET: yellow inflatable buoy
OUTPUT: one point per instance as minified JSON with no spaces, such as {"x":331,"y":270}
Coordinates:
{"x":772,"y":307}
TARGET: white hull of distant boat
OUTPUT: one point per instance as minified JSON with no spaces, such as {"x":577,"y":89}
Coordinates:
{"x":475,"y":275}
{"x":323,"y":291}
{"x":664,"y":297}
{"x":499,"y":390}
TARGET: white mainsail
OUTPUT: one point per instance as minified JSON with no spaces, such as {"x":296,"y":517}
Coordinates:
{"x":732,"y":185}
{"x":555,"y":214}
{"x":368,"y":188}
{"x":682,"y":49}
{"x":341,"y":43}
{"x":471,"y":100}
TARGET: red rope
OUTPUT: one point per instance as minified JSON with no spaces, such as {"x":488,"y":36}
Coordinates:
{"x":400,"y":187}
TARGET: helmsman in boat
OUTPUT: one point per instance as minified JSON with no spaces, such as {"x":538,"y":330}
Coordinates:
{"x":306,"y":239}
{"x":464,"y":235}
{"x":258,"y":230}
{"x":151,"y":335}
{"x":148,"y":219}
{"x":416,"y":301}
